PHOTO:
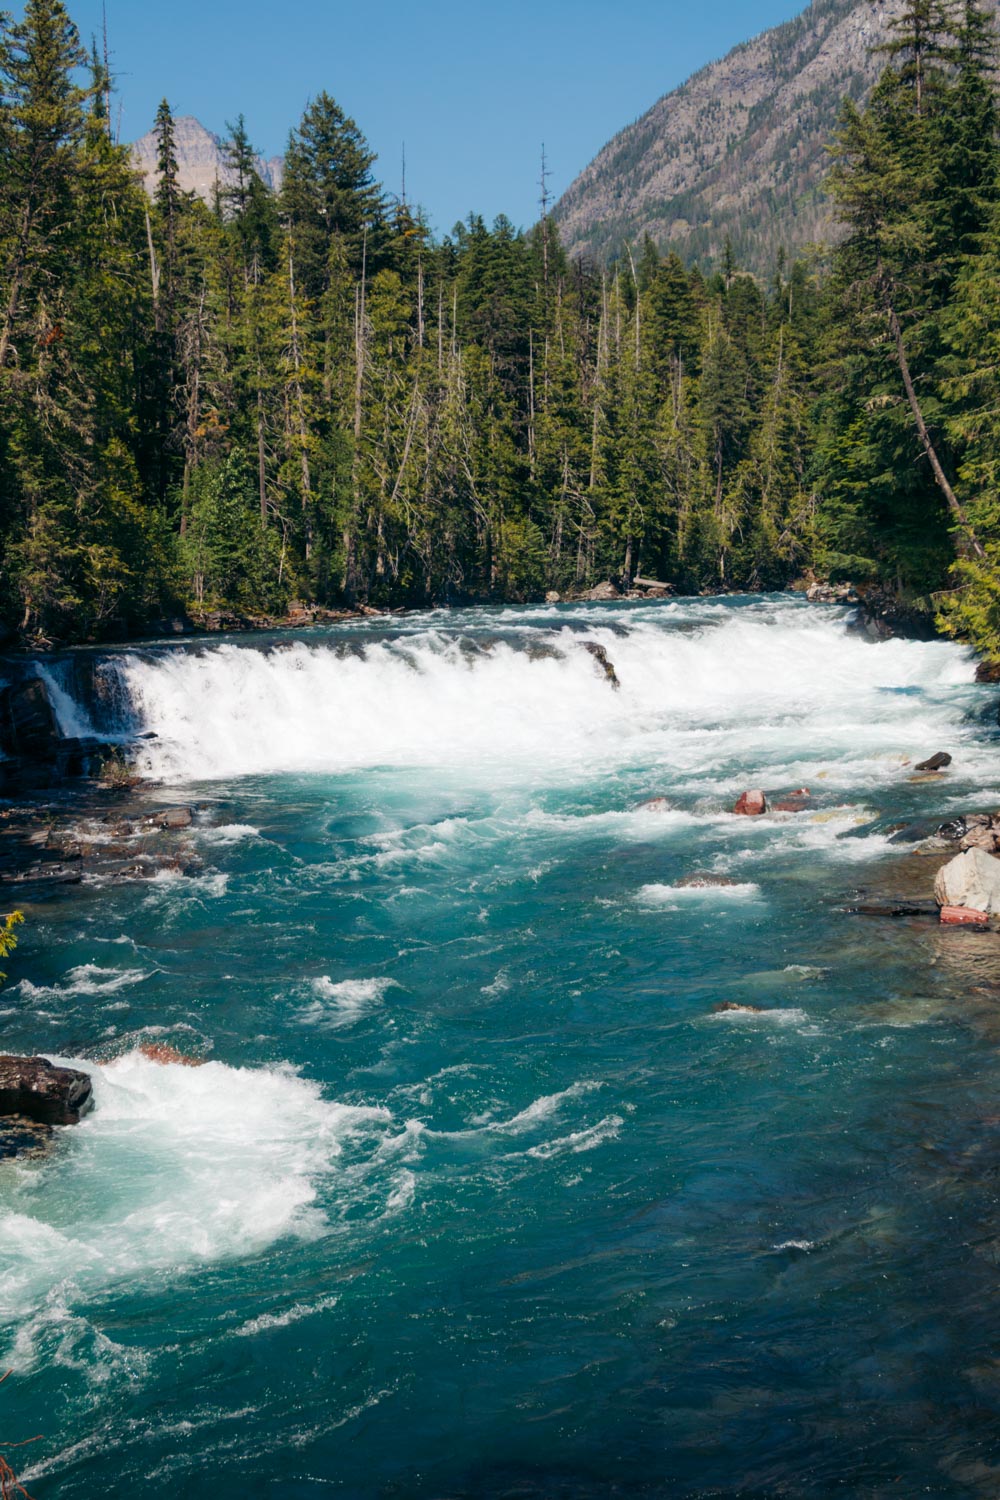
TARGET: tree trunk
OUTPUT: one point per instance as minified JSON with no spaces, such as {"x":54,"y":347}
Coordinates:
{"x":971,"y":542}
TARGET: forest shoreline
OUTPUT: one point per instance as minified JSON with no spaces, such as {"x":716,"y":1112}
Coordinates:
{"x":882,"y":614}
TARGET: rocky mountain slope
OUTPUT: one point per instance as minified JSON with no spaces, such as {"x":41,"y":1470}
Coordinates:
{"x":739,"y":150}
{"x":200,"y":160}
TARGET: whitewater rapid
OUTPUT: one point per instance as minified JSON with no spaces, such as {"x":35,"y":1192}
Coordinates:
{"x":517,"y":694}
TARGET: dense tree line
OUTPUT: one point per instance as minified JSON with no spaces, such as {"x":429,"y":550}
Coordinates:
{"x":303,"y":395}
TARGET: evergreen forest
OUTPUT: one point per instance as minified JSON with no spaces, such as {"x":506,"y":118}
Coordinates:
{"x":307,"y":397}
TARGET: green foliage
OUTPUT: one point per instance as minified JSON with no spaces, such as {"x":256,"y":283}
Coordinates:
{"x":233,"y":559}
{"x":8,"y":935}
{"x":305,"y":395}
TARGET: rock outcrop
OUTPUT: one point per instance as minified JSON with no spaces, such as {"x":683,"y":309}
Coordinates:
{"x":883,"y":616}
{"x":28,"y":724}
{"x":37,"y":1090}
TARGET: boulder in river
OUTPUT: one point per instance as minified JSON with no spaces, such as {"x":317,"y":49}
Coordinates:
{"x":604,"y":591}
{"x":704,"y":880}
{"x":599,"y":654}
{"x":729,"y":1007}
{"x":937,"y":762}
{"x":36,"y":1089}
{"x":751,"y":805}
{"x":656,"y":805}
{"x":970,"y":881}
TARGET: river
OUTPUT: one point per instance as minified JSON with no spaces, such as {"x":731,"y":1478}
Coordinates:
{"x":475,"y":1193}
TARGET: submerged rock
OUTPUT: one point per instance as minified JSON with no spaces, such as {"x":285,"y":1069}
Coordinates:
{"x":891,"y":906}
{"x":704,"y":880}
{"x":656,"y":805}
{"x":800,"y":800}
{"x":162,"y":1052}
{"x":936,"y":762}
{"x":751,"y":805}
{"x":172,"y":817}
{"x":23,"y":1137}
{"x":970,"y":881}
{"x":39,"y":1091}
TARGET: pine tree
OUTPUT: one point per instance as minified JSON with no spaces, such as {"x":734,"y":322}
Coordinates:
{"x":44,"y":119}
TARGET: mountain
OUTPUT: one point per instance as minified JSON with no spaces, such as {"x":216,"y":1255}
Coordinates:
{"x":738,"y":151}
{"x":200,"y":160}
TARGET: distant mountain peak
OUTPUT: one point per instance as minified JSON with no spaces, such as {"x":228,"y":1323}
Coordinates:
{"x":200,"y":160}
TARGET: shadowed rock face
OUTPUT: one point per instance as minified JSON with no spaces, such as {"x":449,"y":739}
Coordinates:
{"x":27,"y":723}
{"x":37,"y":1090}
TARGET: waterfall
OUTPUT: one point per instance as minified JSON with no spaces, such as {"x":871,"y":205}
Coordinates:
{"x":518,"y":694}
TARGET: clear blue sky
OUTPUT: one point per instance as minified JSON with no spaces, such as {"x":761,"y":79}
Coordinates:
{"x":472,"y":89}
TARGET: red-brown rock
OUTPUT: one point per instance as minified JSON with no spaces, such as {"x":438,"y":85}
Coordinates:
{"x":963,"y":916}
{"x":797,"y":801}
{"x":751,"y":805}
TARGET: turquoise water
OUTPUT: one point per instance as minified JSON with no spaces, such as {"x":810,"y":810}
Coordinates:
{"x":475,"y":1195}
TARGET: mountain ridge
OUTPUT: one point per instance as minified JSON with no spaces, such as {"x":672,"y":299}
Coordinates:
{"x":739,"y":150}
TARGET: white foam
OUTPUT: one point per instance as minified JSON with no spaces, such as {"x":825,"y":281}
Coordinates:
{"x":340,"y":1003}
{"x":543,"y":1109}
{"x":673,"y":897}
{"x":176,"y":1167}
{"x":580,"y":1140}
{"x":792,"y":1016}
{"x":170,"y":886}
{"x":85,"y":979}
{"x":229,"y":833}
{"x":404,"y":1190}
{"x":268,"y":1321}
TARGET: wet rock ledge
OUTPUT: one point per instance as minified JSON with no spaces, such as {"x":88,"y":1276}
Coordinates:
{"x":34,"y":1089}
